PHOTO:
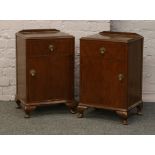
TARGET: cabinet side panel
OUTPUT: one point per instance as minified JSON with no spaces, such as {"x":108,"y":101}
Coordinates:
{"x":21,"y":68}
{"x":135,"y":54}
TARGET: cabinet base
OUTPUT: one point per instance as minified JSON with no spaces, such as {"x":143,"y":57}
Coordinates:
{"x":122,"y":113}
{"x":30,"y":107}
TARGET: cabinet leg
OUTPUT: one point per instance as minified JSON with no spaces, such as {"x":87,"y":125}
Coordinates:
{"x":72,"y":107}
{"x":80,"y":110}
{"x":28,"y":110}
{"x":124,"y":116}
{"x":18,"y":104}
{"x":73,"y":110}
{"x":139,"y":109}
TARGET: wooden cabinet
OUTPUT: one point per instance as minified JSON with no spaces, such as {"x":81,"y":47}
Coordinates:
{"x":45,"y":69}
{"x":111,"y":72}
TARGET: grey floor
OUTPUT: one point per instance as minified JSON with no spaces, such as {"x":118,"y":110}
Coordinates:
{"x":58,"y":120}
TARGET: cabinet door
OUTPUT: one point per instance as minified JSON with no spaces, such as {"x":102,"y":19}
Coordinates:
{"x":102,"y":78}
{"x":62,"y":70}
{"x":38,"y":77}
{"x":91,"y":80}
{"x":114,"y":91}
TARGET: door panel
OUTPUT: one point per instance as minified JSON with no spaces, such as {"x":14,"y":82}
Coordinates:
{"x":38,"y":78}
{"x":114,"y":84}
{"x":91,"y":79}
{"x":61,"y":77}
{"x":100,"y":84}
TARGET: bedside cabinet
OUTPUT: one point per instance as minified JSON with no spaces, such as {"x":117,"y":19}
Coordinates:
{"x":111,"y":72}
{"x":45,"y":69}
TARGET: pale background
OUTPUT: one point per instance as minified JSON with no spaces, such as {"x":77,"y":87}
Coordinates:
{"x":78,"y":29}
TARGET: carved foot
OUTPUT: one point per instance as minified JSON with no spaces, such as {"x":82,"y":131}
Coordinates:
{"x":80,"y":110}
{"x":125,"y":122}
{"x":139,"y":109}
{"x":72,"y":107}
{"x":27,"y":115}
{"x":80,"y":115}
{"x":18,"y":104}
{"x":73,"y":110}
{"x":124,"y":116}
{"x":28,"y":110}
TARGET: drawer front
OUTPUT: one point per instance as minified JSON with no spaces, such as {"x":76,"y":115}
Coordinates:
{"x":106,"y":50}
{"x":49,"y":47}
{"x":103,"y":83}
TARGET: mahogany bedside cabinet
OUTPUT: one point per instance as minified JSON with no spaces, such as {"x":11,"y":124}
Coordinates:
{"x":111,"y":72}
{"x":45,"y":69}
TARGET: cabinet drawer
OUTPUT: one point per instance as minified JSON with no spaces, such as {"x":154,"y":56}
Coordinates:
{"x":47,"y":47}
{"x":107,"y":50}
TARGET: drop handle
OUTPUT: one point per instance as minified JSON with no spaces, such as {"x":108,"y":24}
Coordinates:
{"x":102,"y":50}
{"x":120,"y":77}
{"x":33,"y":72}
{"x":51,"y":48}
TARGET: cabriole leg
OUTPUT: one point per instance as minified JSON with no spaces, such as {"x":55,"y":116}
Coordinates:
{"x":72,"y":107}
{"x":28,"y":110}
{"x":124,"y":116}
{"x":18,"y":104}
{"x":80,"y":110}
{"x":139,"y":109}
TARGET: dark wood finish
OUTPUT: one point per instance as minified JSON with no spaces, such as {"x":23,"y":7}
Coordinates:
{"x":111,"y":72}
{"x":45,"y":69}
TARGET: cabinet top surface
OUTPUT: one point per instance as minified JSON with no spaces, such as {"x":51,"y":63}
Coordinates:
{"x":114,"y":36}
{"x":43,"y":33}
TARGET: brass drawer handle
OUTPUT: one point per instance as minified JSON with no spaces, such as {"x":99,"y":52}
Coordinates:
{"x":120,"y":77}
{"x":33,"y":72}
{"x":102,"y":50}
{"x":51,"y":48}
